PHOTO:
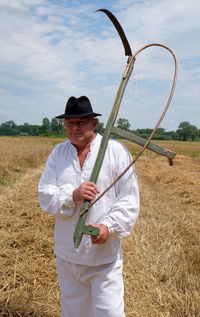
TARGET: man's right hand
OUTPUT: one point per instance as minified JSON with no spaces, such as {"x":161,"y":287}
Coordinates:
{"x":87,"y":190}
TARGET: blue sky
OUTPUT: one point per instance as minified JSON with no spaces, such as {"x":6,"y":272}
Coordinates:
{"x":51,"y":50}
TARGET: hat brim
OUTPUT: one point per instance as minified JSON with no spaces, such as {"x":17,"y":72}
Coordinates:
{"x":67,"y":116}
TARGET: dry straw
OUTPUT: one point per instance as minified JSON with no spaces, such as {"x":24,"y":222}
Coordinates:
{"x":161,"y":256}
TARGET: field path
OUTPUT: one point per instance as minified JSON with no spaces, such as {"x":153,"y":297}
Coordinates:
{"x":161,"y":256}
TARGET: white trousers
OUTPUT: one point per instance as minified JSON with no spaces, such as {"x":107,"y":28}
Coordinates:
{"x":91,"y":291}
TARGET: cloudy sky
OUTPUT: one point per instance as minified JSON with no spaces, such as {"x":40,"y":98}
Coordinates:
{"x":51,"y":50}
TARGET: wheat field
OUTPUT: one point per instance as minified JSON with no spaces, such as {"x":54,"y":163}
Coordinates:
{"x":161,"y":256}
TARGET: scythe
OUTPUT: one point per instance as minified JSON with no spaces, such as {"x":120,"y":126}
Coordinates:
{"x":81,"y":227}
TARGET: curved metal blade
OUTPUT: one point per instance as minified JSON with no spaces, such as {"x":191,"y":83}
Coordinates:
{"x":120,"y":31}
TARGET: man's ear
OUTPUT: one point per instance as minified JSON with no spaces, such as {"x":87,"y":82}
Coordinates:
{"x":95,"y":122}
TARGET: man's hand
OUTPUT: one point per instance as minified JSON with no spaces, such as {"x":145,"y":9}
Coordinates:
{"x":87,"y":190}
{"x":103,"y":235}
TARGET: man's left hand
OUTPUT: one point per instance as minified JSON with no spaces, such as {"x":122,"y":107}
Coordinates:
{"x":103,"y":235}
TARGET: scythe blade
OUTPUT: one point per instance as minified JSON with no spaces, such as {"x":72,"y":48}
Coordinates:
{"x":120,"y":31}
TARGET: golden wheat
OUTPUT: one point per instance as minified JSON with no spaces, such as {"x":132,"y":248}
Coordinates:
{"x":19,"y":154}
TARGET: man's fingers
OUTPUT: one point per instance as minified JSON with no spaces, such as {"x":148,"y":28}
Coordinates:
{"x":103,"y":235}
{"x":88,"y":193}
{"x":92,"y":187}
{"x":88,"y":196}
{"x":87,"y":190}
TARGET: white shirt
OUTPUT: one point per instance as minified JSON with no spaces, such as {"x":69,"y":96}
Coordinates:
{"x":117,"y":209}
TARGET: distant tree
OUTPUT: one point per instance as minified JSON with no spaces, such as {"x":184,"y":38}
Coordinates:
{"x":11,"y":124}
{"x":46,"y":127}
{"x":8,"y":128}
{"x":187,"y":131}
{"x":172,"y":135}
{"x":28,"y":129}
{"x":35,"y":129}
{"x":144,"y":133}
{"x":160,"y":131}
{"x":123,"y":123}
{"x":100,"y":128}
{"x":24,"y":129}
{"x":57,"y":127}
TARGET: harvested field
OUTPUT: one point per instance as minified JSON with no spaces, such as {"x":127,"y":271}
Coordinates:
{"x":161,"y":256}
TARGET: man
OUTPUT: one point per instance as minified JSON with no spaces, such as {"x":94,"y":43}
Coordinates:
{"x":90,"y":277}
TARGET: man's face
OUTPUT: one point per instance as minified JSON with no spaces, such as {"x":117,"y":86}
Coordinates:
{"x":80,"y":131}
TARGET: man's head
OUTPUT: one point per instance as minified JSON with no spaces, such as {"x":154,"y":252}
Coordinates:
{"x":79,"y":121}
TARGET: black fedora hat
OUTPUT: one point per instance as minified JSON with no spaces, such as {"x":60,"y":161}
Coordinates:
{"x":78,"y":107}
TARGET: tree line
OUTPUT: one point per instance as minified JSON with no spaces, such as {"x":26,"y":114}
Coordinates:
{"x":55,"y":128}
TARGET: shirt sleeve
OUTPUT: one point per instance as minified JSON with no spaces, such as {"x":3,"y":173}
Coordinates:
{"x":121,"y":218}
{"x":54,"y":199}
